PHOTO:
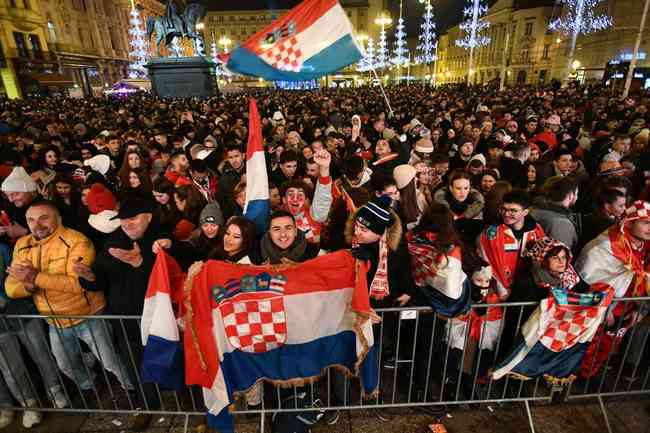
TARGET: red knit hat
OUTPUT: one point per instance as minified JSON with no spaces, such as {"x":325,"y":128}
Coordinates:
{"x":100,"y":199}
{"x":183,"y":230}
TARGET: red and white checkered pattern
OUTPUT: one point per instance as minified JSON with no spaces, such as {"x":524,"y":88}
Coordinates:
{"x":255,"y":325}
{"x":564,"y":326}
{"x":638,"y":210}
{"x":285,"y":55}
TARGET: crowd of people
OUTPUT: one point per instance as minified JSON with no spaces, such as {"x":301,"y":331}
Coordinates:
{"x":502,"y":189}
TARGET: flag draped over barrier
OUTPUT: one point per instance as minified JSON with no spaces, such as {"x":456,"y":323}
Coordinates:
{"x":554,"y":339}
{"x":244,"y":324}
{"x":311,"y":40}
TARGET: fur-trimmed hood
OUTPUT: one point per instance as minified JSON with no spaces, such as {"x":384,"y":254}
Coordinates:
{"x":394,"y":231}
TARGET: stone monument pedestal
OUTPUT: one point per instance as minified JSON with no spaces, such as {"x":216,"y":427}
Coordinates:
{"x":182,"y":77}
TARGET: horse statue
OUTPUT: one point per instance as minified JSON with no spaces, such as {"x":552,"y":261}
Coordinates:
{"x":172,"y":26}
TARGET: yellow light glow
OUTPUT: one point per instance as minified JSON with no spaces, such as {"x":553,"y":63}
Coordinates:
{"x":576,"y":64}
{"x":383,"y":19}
{"x":558,"y":40}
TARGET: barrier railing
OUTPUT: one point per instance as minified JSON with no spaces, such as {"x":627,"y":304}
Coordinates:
{"x":425,"y":361}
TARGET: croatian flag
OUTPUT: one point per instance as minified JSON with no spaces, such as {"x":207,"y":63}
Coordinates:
{"x":313,"y":39}
{"x":554,"y":339}
{"x":163,"y":351}
{"x":286,"y":325}
{"x":257,"y":204}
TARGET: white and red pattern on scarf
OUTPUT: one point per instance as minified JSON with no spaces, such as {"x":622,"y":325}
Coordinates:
{"x":379,"y":287}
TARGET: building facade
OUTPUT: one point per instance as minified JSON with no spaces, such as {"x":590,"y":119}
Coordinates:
{"x":24,"y":53}
{"x":75,"y":47}
{"x":521,"y":50}
{"x":605,"y":56}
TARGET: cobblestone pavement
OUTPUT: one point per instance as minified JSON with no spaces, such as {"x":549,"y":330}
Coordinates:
{"x":626,"y":416}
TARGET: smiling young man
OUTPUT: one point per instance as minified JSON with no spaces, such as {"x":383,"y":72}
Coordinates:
{"x":309,"y":216}
{"x":284,"y":243}
{"x":503,"y":245}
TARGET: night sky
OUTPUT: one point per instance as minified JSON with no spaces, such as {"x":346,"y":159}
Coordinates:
{"x":446,"y":12}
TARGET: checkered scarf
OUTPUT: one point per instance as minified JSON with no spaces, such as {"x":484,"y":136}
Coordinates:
{"x":538,"y":252}
{"x":425,"y":257}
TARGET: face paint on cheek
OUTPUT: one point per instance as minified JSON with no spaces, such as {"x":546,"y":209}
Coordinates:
{"x":295,"y":202}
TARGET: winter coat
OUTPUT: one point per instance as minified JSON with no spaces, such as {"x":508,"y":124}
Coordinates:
{"x":7,"y":305}
{"x":227,"y":182}
{"x":557,"y":221}
{"x":399,"y":261}
{"x":124,"y":285}
{"x":514,"y":172}
{"x":58,"y":290}
{"x":474,"y":209}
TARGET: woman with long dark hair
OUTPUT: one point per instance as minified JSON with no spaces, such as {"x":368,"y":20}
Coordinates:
{"x":437,"y":269}
{"x":164,"y":205}
{"x":189,"y":202}
{"x":465,"y":203}
{"x":236,"y":242}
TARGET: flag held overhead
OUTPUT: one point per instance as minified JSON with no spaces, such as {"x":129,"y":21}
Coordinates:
{"x":313,"y":39}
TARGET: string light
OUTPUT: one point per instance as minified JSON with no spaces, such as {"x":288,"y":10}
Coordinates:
{"x":401,"y":51}
{"x":580,"y":18}
{"x":426,"y":47}
{"x":382,"y":50}
{"x":138,"y":44}
{"x":367,"y":62}
{"x":474,"y":25}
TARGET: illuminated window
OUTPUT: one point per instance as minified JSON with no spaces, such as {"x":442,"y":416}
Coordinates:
{"x":52,"y":31}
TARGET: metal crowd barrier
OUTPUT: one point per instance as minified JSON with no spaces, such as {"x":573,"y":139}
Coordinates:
{"x":420,"y":358}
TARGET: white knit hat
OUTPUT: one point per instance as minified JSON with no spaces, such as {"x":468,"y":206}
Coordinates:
{"x":99,"y":163}
{"x":403,"y":174}
{"x":479,"y":157}
{"x":424,"y":145}
{"x":19,"y":181}
{"x":483,"y":271}
{"x":103,"y":221}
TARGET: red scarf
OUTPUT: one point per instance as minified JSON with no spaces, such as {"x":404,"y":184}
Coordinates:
{"x":635,"y":260}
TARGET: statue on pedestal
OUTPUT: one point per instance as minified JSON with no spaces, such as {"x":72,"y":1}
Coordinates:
{"x":174,"y":26}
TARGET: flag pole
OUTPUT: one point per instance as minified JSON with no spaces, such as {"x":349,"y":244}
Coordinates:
{"x":383,"y":92}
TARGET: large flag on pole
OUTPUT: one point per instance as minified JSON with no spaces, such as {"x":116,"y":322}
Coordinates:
{"x":311,"y":40}
{"x":257,"y":204}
